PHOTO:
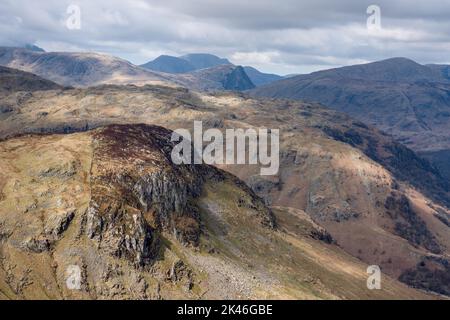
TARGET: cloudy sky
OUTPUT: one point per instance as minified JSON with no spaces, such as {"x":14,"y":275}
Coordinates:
{"x":282,"y":36}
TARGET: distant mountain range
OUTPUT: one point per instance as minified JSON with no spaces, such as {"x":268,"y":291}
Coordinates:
{"x":197,"y":61}
{"x":200,"y":71}
{"x":401,"y":97}
{"x":77,"y":69}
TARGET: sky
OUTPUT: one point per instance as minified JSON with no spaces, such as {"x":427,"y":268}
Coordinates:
{"x":283,"y":36}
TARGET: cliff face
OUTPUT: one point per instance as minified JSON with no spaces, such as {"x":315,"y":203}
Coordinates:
{"x":137,"y":192}
{"x":237,"y":80}
{"x":217,"y":78}
{"x":103,"y":202}
{"x":105,"y":214}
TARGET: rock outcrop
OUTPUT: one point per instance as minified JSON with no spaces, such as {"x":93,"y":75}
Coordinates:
{"x":137,"y":192}
{"x":106,"y":206}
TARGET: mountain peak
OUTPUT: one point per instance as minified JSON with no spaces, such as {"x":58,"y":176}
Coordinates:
{"x":186,"y":63}
{"x":238,"y":80}
{"x":169,"y":64}
{"x":397,"y":69}
{"x":398,"y":63}
{"x":204,"y":60}
{"x":400,"y":60}
{"x":33,"y":47}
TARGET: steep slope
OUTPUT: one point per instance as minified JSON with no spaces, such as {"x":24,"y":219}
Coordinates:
{"x":33,"y":47}
{"x":376,"y":198}
{"x":223,"y":77}
{"x":405,"y":99}
{"x":77,"y":69}
{"x":16,"y":86}
{"x":237,"y":80}
{"x":440,"y":70}
{"x":109,"y":206}
{"x":12,"y":80}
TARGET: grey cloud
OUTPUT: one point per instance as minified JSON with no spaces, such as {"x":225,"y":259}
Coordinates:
{"x":286,"y":36}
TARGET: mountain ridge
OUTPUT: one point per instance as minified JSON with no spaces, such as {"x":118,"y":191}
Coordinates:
{"x":197,"y":61}
{"x":77,"y":69}
{"x":85,"y":69}
{"x":204,"y":60}
{"x":185,"y":63}
{"x":399,"y":96}
{"x":16,"y":80}
{"x":169,"y":64}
